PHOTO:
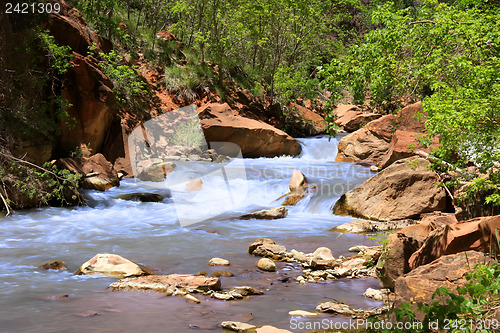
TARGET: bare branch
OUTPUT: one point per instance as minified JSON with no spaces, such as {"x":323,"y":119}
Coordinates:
{"x":422,"y":22}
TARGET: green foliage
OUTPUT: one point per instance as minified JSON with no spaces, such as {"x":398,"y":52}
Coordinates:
{"x":445,"y":54}
{"x":127,"y":84}
{"x":258,"y":36}
{"x":42,"y":185}
{"x":59,"y":57}
{"x":188,"y":134}
{"x":331,"y":127}
{"x":470,"y":309}
{"x":290,"y":83}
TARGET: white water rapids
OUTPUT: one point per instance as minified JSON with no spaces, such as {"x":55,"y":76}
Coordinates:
{"x":148,"y":233}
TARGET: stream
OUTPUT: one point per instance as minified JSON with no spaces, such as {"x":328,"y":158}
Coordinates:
{"x":150,"y":234}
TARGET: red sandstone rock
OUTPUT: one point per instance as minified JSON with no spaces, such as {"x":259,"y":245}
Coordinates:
{"x":477,"y":234}
{"x":405,"y":189}
{"x":404,"y":144}
{"x":354,"y":120}
{"x":255,"y":138}
{"x":372,"y":142}
{"x":448,"y":271}
{"x":98,"y":173}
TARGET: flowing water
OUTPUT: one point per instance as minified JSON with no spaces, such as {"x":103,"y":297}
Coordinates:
{"x":149,"y":233}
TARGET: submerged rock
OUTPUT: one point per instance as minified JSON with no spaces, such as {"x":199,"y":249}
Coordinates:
{"x":56,"y":265}
{"x":266,"y":264}
{"x":222,"y":273}
{"x":110,"y":265}
{"x":143,"y":197}
{"x":218,"y":262}
{"x":302,"y":313}
{"x":236,"y":326}
{"x":235,"y":293}
{"x":168,"y":284}
{"x":267,"y":214}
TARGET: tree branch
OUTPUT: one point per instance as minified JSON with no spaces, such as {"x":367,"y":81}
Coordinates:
{"x":422,"y":22}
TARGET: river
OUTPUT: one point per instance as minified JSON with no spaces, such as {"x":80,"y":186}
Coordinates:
{"x":149,"y":233}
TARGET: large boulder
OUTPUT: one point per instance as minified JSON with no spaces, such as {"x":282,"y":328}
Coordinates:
{"x":168,"y":284}
{"x":448,"y":271}
{"x":315,"y":120}
{"x":110,"y":265}
{"x":404,"y":144}
{"x":404,"y":190}
{"x":255,"y":138}
{"x":353,"y":120}
{"x":97,"y":172}
{"x":404,"y":243}
{"x":372,"y":142}
{"x":480,"y":234}
{"x":369,"y":143}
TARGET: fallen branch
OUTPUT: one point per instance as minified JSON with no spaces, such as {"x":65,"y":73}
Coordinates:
{"x":5,"y":204}
{"x":431,"y":158}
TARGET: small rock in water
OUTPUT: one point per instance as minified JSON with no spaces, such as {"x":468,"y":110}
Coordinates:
{"x":110,"y":265}
{"x":374,"y":168}
{"x":378,"y":295}
{"x":337,"y":308}
{"x":56,"y":265}
{"x":322,"y":258}
{"x":222,"y":159}
{"x":191,"y":298}
{"x":236,"y":326}
{"x":265,"y":247}
{"x":169,"y":284}
{"x":218,"y":262}
{"x":56,"y":298}
{"x":358,"y":248}
{"x":299,"y":256}
{"x":271,"y":329}
{"x":222,"y":273}
{"x":154,"y":170}
{"x":267,"y":214}
{"x":194,"y":184}
{"x":301,"y":313}
{"x":89,"y":314}
{"x":266,"y":264}
{"x":143,"y":197}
